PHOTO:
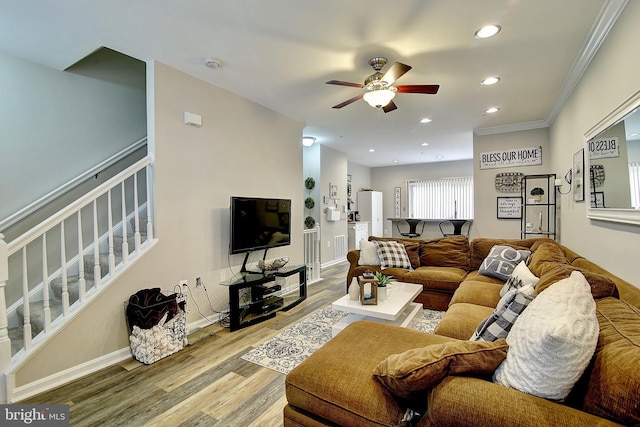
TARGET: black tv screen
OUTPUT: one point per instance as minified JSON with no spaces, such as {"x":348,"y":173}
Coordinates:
{"x":259,"y":223}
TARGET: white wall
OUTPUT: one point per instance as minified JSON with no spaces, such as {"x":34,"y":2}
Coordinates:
{"x":56,"y":124}
{"x":241,"y":149}
{"x":333,"y":170}
{"x":385,"y":179}
{"x":486,"y":223}
{"x":610,"y":79}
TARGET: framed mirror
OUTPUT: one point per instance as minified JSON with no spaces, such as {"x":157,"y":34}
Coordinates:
{"x":612,"y":165}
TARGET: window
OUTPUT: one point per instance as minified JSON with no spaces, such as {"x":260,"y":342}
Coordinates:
{"x":441,"y":198}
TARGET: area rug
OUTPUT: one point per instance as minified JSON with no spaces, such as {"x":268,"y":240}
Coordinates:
{"x":289,"y":348}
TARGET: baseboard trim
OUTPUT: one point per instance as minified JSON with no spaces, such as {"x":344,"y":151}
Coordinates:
{"x":68,"y":375}
{"x":333,"y":262}
{"x":60,"y":378}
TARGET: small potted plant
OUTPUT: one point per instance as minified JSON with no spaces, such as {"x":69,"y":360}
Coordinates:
{"x":383,"y":281}
{"x":537,"y":194}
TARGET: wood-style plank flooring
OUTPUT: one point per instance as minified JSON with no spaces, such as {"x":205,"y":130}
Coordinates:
{"x":206,"y":384}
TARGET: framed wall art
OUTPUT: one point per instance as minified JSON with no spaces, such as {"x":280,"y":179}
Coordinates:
{"x":509,"y":208}
{"x":577,"y":181}
{"x":397,"y":206}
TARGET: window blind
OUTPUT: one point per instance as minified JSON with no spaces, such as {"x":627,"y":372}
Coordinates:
{"x":441,"y":198}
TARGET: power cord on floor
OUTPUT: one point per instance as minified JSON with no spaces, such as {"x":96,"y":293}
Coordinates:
{"x":185,"y":286}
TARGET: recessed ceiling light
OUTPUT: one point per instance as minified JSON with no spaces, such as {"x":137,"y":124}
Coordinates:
{"x":634,"y":134}
{"x":425,"y":120}
{"x":308,"y":141}
{"x":492,"y":110}
{"x":487,"y":31}
{"x":371,"y":150}
{"x":490,"y":81}
{"x":424,"y":144}
{"x":212,"y":63}
{"x":439,"y":157}
{"x":395,"y":161}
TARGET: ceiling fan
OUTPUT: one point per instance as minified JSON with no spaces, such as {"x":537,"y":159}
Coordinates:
{"x":379,"y":90}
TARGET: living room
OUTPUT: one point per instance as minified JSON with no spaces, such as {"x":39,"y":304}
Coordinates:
{"x":197,"y":169}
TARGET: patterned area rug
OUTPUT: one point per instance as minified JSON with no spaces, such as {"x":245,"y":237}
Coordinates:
{"x":288,"y":349}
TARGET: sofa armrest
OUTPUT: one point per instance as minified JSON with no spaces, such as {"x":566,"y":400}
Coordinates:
{"x":353,"y":257}
{"x":467,"y":401}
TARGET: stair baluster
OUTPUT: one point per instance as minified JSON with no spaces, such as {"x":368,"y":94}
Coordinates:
{"x":112,"y":256}
{"x":63,"y":267}
{"x":97,"y":274}
{"x":136,"y":231}
{"x":125,"y":244}
{"x":5,"y":342}
{"x":45,"y":286}
{"x":25,"y":298}
{"x":82,"y":282}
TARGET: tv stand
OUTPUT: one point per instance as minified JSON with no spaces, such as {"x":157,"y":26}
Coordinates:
{"x":256,"y":297}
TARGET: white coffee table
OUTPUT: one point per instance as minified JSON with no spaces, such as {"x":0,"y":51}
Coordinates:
{"x":397,"y":309}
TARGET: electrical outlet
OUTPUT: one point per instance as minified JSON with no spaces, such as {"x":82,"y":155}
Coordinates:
{"x":184,"y":283}
{"x":198,"y":282}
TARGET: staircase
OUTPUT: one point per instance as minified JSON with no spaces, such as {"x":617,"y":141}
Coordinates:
{"x":49,"y":274}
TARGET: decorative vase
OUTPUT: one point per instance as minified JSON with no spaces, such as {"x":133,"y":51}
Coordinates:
{"x":354,"y":290}
{"x":382,"y":293}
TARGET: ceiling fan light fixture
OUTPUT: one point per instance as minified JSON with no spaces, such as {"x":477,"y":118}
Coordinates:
{"x":308,"y":141}
{"x":379,"y":98}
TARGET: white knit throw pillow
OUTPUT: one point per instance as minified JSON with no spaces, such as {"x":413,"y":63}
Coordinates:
{"x":552,"y":341}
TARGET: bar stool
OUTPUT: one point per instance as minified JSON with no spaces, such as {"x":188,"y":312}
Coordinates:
{"x":457,"y":226}
{"x":413,"y":225}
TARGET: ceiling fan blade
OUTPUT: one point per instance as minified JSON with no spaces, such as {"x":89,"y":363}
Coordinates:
{"x":396,"y":71}
{"x":349,"y":101}
{"x":340,"y":83}
{"x":429,"y":89}
{"x":389,"y":107}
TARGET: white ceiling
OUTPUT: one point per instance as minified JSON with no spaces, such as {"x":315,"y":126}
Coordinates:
{"x":280,"y":53}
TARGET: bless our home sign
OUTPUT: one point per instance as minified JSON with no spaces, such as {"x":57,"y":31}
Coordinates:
{"x":507,"y":158}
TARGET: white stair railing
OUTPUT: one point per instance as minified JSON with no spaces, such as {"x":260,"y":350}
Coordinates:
{"x":56,"y":251}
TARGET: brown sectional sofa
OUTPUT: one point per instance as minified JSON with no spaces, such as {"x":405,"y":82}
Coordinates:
{"x":336,"y":385}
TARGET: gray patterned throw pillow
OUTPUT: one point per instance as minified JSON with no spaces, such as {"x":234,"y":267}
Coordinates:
{"x":499,"y":323}
{"x":502,"y":260}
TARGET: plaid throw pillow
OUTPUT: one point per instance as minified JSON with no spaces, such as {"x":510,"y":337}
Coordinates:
{"x":393,"y":255}
{"x":499,"y":323}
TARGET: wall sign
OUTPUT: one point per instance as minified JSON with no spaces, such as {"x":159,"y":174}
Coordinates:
{"x":396,"y":193}
{"x":530,"y":156}
{"x":509,"y":208}
{"x":602,"y":148}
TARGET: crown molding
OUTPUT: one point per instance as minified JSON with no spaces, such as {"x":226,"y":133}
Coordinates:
{"x":516,"y":127}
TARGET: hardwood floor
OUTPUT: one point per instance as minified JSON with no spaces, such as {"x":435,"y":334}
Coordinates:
{"x":206,"y":384}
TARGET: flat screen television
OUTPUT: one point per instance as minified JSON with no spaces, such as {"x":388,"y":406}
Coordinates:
{"x":259,"y":223}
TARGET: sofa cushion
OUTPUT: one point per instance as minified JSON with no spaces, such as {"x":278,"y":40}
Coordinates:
{"x":502,"y":260}
{"x":546,"y":254}
{"x":450,"y":251}
{"x":461,"y":320}
{"x":368,"y":253}
{"x":393,"y":255}
{"x":614,"y":379}
{"x":441,"y":278}
{"x":552,"y":341}
{"x":499,"y":323}
{"x":521,"y":276}
{"x":420,"y":368}
{"x":601,"y":286}
{"x":478,"y":292}
{"x":480,"y":247}
{"x":336,"y":383}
